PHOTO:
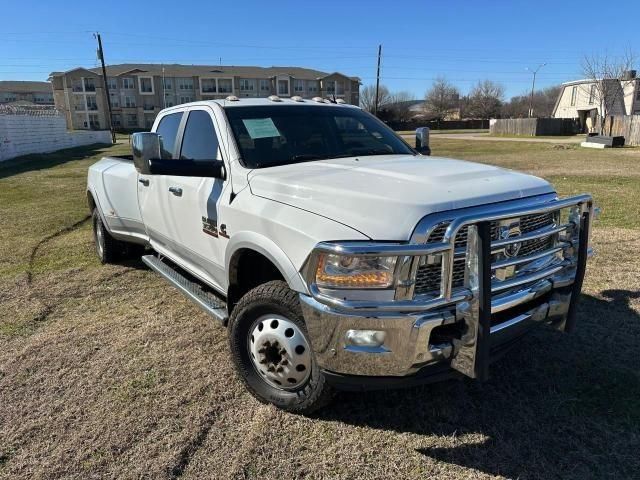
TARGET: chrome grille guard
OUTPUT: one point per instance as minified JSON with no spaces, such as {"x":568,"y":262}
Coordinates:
{"x":410,"y":253}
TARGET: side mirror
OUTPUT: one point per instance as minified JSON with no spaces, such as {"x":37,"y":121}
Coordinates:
{"x":422,"y":140}
{"x":144,"y":146}
{"x":187,"y":168}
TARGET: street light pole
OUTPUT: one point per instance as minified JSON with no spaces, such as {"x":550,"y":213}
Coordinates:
{"x":533,"y":86}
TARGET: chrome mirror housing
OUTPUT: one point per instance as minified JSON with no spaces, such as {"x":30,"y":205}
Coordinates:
{"x":145,"y":146}
{"x":422,"y":140}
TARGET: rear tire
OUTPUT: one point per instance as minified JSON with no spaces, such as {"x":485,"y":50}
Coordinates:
{"x":301,"y":392}
{"x":109,"y":249}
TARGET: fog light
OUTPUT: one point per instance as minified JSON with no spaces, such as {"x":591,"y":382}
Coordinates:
{"x":365,"y":338}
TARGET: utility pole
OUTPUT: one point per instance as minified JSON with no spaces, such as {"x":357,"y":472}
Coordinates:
{"x":533,"y":86}
{"x":106,"y":86}
{"x":375,"y":107}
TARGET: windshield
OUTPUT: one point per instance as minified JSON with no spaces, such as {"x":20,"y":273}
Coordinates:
{"x":268,"y":136}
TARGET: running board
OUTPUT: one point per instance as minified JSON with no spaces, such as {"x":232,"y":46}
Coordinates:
{"x":192,"y":289}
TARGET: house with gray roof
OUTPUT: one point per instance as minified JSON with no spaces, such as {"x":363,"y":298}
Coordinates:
{"x":25,"y":92}
{"x":137,"y":92}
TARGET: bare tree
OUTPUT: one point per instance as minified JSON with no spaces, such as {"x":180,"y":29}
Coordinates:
{"x":543,"y":103}
{"x":398,"y":107}
{"x":485,"y":100}
{"x":609,"y":80}
{"x":442,"y":98}
{"x":368,"y":97}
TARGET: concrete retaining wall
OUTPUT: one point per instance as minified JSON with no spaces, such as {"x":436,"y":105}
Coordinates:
{"x":22,"y":133}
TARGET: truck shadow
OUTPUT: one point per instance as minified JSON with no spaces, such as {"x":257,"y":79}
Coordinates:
{"x":42,"y":161}
{"x":559,"y":406}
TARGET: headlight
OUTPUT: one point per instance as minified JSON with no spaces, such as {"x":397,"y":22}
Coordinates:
{"x":341,"y":271}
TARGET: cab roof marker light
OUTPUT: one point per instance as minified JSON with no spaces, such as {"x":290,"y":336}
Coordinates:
{"x":297,"y":98}
{"x":274,"y":98}
{"x":318,"y":99}
{"x":340,"y":101}
{"x":232,"y":98}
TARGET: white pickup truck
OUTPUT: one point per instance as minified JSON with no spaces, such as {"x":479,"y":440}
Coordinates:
{"x":338,"y":255}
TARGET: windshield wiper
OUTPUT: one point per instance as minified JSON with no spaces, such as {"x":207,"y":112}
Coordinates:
{"x":303,"y":157}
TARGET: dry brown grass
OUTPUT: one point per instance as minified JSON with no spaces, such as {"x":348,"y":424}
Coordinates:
{"x":107,"y":372}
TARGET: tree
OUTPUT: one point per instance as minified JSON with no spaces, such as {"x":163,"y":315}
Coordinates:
{"x":398,"y":106}
{"x":485,"y":100}
{"x":609,"y":81}
{"x":543,"y":103}
{"x":442,"y":98}
{"x":368,"y":97}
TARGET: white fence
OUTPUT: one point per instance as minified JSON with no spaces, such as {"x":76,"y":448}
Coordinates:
{"x":24,"y":131}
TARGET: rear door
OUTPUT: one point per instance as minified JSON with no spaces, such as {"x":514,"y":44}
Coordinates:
{"x":153,"y":197}
{"x":193,"y":202}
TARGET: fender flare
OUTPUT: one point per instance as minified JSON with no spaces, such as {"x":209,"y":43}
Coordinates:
{"x":96,"y":201}
{"x":268,"y":248}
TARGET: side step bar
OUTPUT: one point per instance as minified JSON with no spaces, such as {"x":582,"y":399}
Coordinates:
{"x":192,"y":289}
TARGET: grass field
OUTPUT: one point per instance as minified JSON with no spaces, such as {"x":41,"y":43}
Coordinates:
{"x":106,"y":371}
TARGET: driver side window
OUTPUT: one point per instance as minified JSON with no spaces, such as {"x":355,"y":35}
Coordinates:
{"x":200,"y":141}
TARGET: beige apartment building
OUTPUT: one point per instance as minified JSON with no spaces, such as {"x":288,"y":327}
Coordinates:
{"x":581,"y":99}
{"x":26,"y":92}
{"x":139,"y":91}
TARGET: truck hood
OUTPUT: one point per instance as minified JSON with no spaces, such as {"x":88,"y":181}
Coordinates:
{"x":384,"y":197}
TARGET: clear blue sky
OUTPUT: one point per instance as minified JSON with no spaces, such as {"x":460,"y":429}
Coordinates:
{"x":463,"y":40}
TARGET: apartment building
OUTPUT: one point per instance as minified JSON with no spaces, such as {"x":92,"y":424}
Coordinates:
{"x":139,"y":91}
{"x":581,"y":99}
{"x":38,"y":93}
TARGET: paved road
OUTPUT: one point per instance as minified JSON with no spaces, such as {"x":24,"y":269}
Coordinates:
{"x":485,"y":137}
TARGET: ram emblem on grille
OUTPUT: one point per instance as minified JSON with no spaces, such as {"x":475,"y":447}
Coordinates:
{"x":509,"y":231}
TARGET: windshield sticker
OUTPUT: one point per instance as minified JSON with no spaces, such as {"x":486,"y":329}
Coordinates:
{"x":261,"y":128}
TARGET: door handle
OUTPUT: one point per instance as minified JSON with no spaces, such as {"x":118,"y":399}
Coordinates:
{"x":177,"y":191}
{"x":144,"y":181}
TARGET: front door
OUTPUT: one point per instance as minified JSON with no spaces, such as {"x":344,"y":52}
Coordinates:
{"x":152,"y":190}
{"x":193,"y":202}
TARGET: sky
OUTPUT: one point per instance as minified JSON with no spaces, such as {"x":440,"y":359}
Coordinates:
{"x":464,"y":41}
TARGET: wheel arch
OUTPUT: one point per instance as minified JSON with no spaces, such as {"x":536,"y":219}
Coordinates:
{"x":260,"y":249}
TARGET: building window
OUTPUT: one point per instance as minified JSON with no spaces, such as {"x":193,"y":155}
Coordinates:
{"x":330,"y":87}
{"x":574,"y":94}
{"x":112,"y":83}
{"x":127,"y":83}
{"x":76,"y":85}
{"x":298,"y":86}
{"x":148,"y":121}
{"x":339,"y":87}
{"x":208,"y":85}
{"x":225,"y":85}
{"x":247,"y":85}
{"x":283,"y":87}
{"x":185,"y":83}
{"x":592,"y":94}
{"x":186,"y":98}
{"x":145,"y":84}
{"x":132,"y":120}
{"x":115,"y":100}
{"x":129,"y":101}
{"x":91,"y":102}
{"x":265,"y":86}
{"x":89,"y":85}
{"x":94,"y":123}
{"x":116,"y":120}
{"x":168,"y":84}
{"x":638,"y":92}
{"x":148,"y":106}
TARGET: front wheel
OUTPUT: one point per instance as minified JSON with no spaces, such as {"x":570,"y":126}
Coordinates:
{"x":271,"y":350}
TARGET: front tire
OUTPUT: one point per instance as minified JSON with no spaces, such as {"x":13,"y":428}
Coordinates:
{"x":109,"y":250}
{"x":272,"y":353}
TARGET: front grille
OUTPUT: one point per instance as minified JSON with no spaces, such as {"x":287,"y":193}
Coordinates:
{"x":428,"y":277}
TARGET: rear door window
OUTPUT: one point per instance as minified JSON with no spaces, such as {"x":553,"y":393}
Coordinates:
{"x":168,"y":131}
{"x":199,"y":141}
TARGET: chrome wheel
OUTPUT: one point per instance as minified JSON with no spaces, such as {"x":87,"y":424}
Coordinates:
{"x":99,"y":238}
{"x":280,"y":352}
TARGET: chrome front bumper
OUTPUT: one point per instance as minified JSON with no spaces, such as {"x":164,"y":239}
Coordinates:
{"x":409,"y":345}
{"x":485,"y":316}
